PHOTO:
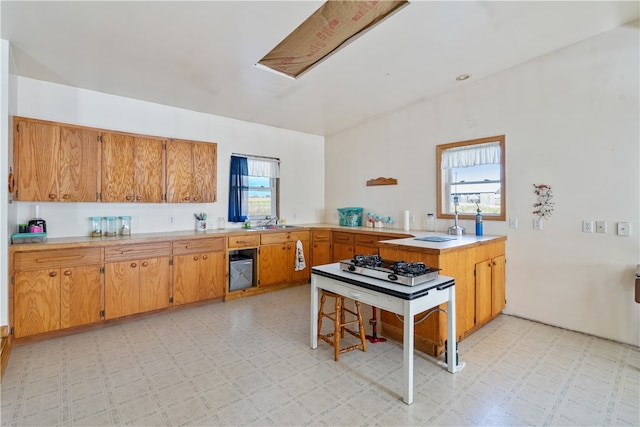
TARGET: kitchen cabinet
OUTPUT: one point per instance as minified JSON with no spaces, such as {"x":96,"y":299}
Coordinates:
{"x":320,"y":247}
{"x":277,"y":256}
{"x":366,"y":244}
{"x":343,"y":246}
{"x":191,"y":172}
{"x":132,"y":168}
{"x":137,"y":278}
{"x":56,"y":290}
{"x":479,"y":272}
{"x":55,"y":163}
{"x":199,"y":270}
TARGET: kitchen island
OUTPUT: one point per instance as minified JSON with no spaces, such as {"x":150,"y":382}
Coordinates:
{"x":396,"y":298}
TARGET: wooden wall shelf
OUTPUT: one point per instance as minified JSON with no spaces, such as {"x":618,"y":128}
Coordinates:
{"x":382,"y":181}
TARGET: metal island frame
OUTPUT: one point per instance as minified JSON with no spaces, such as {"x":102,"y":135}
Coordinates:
{"x":400,"y":299}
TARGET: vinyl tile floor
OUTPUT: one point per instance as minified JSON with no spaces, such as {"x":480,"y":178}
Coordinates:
{"x":248,"y":362}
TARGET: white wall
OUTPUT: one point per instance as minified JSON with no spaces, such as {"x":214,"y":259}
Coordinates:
{"x":571,"y":120}
{"x":301,"y":156}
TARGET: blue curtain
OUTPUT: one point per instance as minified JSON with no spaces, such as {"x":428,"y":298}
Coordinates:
{"x":238,"y":189}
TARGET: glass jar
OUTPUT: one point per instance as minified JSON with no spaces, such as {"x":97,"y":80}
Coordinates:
{"x":430,"y":222}
{"x":125,"y":225}
{"x":110,"y":229}
{"x":96,"y":226}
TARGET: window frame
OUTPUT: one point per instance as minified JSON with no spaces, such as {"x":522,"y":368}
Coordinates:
{"x":275,"y":202}
{"x":440,"y":213}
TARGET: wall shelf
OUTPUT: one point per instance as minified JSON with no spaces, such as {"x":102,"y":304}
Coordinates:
{"x":382,"y":181}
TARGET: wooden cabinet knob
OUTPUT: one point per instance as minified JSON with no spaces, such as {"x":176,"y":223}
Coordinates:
{"x":128,"y":198}
{"x":67,"y":272}
{"x":134,"y":265}
{"x":204,"y":257}
{"x":138,"y":198}
{"x":52,"y":196}
{"x":195,"y":257}
{"x":196,"y":198}
{"x":53,"y":274}
{"x":66,"y":196}
{"x":144,"y":264}
{"x":186,"y":198}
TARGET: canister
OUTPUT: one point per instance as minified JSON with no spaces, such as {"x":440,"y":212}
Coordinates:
{"x":125,"y":225}
{"x":96,"y":226}
{"x":111,"y":226}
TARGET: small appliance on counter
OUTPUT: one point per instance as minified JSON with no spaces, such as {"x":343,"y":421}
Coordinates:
{"x":36,"y":224}
{"x":35,"y":231}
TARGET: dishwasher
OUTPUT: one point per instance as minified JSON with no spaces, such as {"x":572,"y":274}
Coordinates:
{"x":240,"y":272}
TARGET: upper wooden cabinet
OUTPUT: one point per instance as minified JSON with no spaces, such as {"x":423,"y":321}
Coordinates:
{"x":131,"y":169}
{"x":191,"y":172}
{"x":56,"y":163}
{"x":64,"y":163}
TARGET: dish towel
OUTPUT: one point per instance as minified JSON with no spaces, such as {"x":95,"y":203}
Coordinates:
{"x":300,"y":264}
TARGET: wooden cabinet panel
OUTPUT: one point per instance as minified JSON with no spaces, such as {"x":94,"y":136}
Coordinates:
{"x":195,"y":246}
{"x":121,"y":289}
{"x":36,"y":260}
{"x":343,"y":246}
{"x":197,"y":277}
{"x":137,"y":251}
{"x":36,"y":146}
{"x":247,"y":241}
{"x":131,"y":169}
{"x":191,"y":172}
{"x":482,"y":292}
{"x":36,"y":302}
{"x":320,"y":247}
{"x":273,"y":264}
{"x":155,"y":283}
{"x":79,"y":165}
{"x":212,"y":277}
{"x":80,"y":295}
{"x":498,"y":285}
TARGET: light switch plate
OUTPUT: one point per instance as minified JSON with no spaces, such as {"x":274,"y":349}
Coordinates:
{"x":537,"y":224}
{"x":623,"y":229}
{"x":587,"y":226}
{"x":601,"y":226}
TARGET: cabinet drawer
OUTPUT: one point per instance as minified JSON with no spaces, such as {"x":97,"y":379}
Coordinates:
{"x":200,"y":245}
{"x":321,"y":235}
{"x":251,"y":241}
{"x":290,"y":236}
{"x":137,"y":251}
{"x":340,"y":237}
{"x":366,"y":239}
{"x":59,"y":258}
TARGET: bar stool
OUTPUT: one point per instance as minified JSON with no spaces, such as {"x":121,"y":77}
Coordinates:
{"x":338,"y":316}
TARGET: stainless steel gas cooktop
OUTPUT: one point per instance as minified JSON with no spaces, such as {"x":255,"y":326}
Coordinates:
{"x":401,"y":272}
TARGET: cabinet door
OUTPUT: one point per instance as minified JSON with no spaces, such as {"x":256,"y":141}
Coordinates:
{"x":274,"y":264}
{"x":80,"y":295}
{"x":211,"y":275}
{"x":498,"y":285}
{"x":179,"y":171}
{"x":155,"y":283}
{"x":117,"y":168}
{"x":321,"y":253}
{"x":79,"y":165}
{"x":36,"y":302}
{"x":36,"y":160}
{"x":297,"y":276}
{"x":342,"y":251}
{"x":148,"y":170}
{"x":121,"y":290}
{"x":483,"y":292}
{"x":186,"y":278}
{"x":204,"y":183}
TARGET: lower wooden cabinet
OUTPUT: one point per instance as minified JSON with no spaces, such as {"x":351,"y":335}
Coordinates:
{"x":343,"y":246}
{"x":277,"y":258}
{"x":320,"y":247}
{"x":199,"y":270}
{"x":56,"y":289}
{"x":138,"y":279}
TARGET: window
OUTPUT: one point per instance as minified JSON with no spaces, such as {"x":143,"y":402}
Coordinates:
{"x":470,"y":176}
{"x":253,"y":188}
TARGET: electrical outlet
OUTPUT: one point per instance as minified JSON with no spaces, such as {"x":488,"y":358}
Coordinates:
{"x":513,"y":222}
{"x":601,"y":226}
{"x":412,"y":219}
{"x":172,"y":219}
{"x":537,"y":224}
{"x":624,"y":229}
{"x":587,"y":226}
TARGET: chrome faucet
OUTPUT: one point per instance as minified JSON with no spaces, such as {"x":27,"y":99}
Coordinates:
{"x":270,"y":220}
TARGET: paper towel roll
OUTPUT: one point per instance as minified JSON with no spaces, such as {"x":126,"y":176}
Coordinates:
{"x":406,"y":221}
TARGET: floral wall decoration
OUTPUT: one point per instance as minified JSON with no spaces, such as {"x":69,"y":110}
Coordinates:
{"x":544,"y":206}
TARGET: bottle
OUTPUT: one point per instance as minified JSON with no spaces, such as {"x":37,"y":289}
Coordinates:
{"x":111,"y":229}
{"x":125,"y":225}
{"x":430,"y":222}
{"x":479,"y":223}
{"x":96,"y":226}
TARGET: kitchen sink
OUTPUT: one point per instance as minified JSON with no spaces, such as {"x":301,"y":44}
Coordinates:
{"x":270,"y":227}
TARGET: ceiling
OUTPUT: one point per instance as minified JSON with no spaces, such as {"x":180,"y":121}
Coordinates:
{"x":201,"y":55}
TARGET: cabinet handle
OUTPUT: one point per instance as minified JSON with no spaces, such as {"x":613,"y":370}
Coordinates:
{"x":138,"y":198}
{"x":53,"y":274}
{"x":52,"y":196}
{"x":128,"y":197}
{"x":204,"y":257}
{"x":196,"y":198}
{"x":134,"y":265}
{"x":195,"y":257}
{"x":66,"y":196}
{"x":144,"y":264}
{"x":187,"y":198}
{"x":67,"y":272}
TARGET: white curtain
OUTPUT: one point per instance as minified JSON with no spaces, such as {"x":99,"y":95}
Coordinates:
{"x":263,"y":167}
{"x":475,"y":155}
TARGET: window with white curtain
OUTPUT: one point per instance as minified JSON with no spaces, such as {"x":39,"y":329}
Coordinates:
{"x":264,"y":175}
{"x":470,"y":176}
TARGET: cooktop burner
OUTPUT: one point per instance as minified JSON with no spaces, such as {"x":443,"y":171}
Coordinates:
{"x":403,"y":272}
